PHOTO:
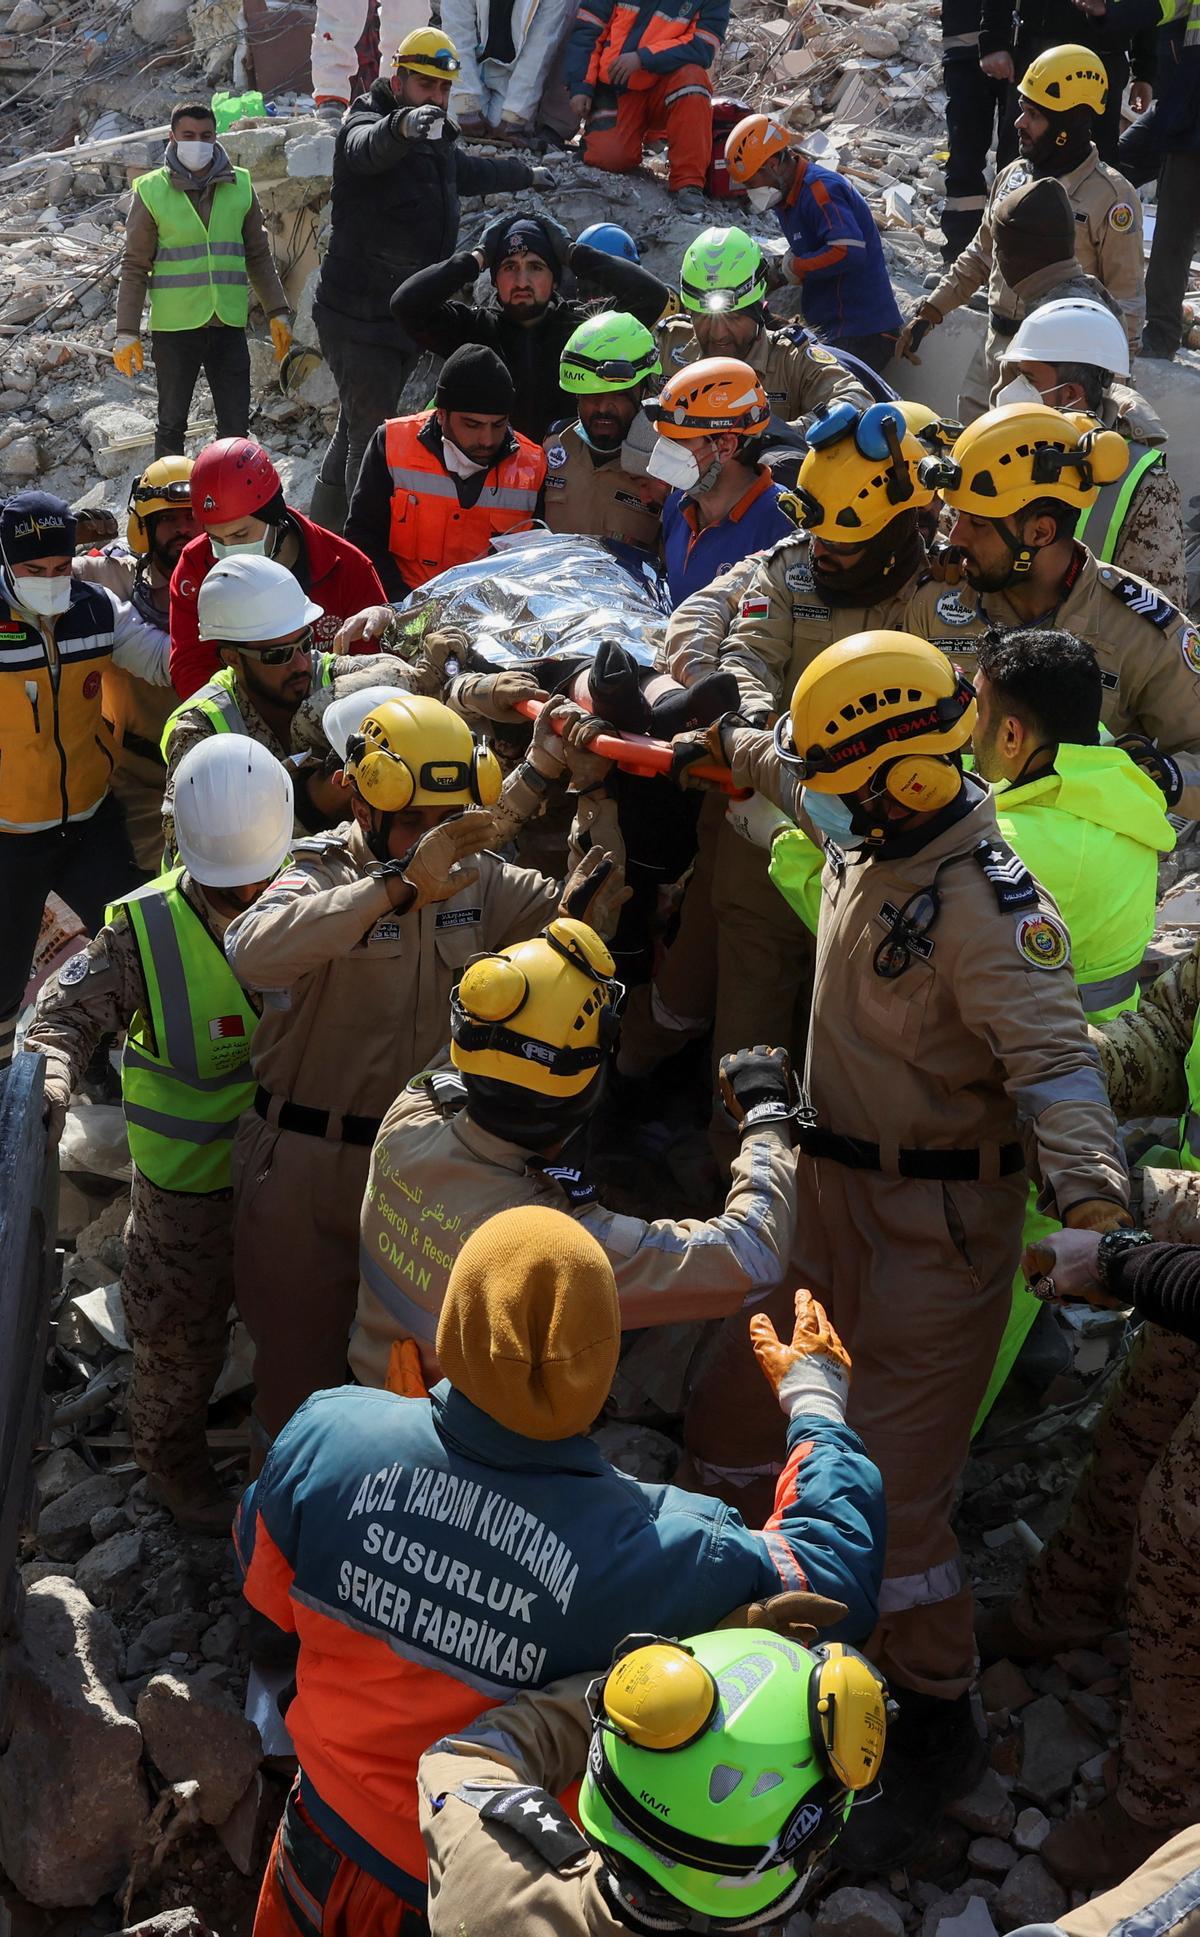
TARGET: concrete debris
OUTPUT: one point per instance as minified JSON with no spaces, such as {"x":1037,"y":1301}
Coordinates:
{"x":73,"y":1801}
{"x":1029,"y":1895}
{"x":1053,"y":1747}
{"x":110,"y":1574}
{"x":64,"y":1526}
{"x":987,"y":1809}
{"x":193,"y":1731}
{"x":991,"y":1856}
{"x":858,"y":1913}
{"x":1003,"y":1686}
{"x":184,"y":1922}
{"x":1030,"y":1831}
{"x":971,"y":1918}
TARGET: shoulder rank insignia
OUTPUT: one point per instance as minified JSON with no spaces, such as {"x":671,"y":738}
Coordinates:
{"x":571,"y":1182}
{"x":445,"y":1087}
{"x":1010,"y":880}
{"x":1142,"y":599}
{"x":540,"y":1822}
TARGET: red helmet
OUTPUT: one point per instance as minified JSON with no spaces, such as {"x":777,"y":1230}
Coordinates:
{"x":232,"y":478}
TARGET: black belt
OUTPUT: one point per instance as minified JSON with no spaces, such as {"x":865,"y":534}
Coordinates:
{"x":1003,"y":325}
{"x":315,"y":1123}
{"x":933,"y":1166}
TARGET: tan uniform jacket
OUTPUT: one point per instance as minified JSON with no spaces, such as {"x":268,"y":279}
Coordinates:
{"x":483,"y":1879}
{"x":980,"y":1039}
{"x":783,"y":622}
{"x":360,"y":996}
{"x":800,"y":378}
{"x":1149,"y":652}
{"x":436,"y":1175}
{"x":696,"y":629}
{"x":600,"y":500}
{"x":1108,"y":245}
{"x":1142,"y":1054}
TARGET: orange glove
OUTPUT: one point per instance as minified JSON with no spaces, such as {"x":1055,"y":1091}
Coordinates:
{"x":128,"y":355}
{"x":281,"y":337}
{"x":404,"y":1374}
{"x":1097,"y":1214}
{"x":812,"y":1374}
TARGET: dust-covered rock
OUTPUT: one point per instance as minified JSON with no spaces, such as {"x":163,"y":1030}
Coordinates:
{"x":987,"y":1809}
{"x":193,"y":1731}
{"x":858,"y":1913}
{"x":1029,"y":1895}
{"x":64,"y":1527}
{"x":109,"y":1574}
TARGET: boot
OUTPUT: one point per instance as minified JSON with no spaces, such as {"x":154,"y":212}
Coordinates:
{"x":689,"y":201}
{"x":1000,"y":1637}
{"x":196,"y":1501}
{"x":934,"y":1753}
{"x":328,"y":506}
{"x":1100,"y":1847}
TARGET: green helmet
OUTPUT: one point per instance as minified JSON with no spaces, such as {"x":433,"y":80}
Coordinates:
{"x":721,"y":1768}
{"x":722,"y":269}
{"x":611,"y":351}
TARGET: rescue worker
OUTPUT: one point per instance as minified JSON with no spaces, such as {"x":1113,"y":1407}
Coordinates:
{"x":594,"y":467}
{"x":1060,"y":93}
{"x":636,"y":75}
{"x":238,"y":503}
{"x":1073,"y":355}
{"x":337,"y":30}
{"x":157,"y":970}
{"x":435,"y":489}
{"x":159,"y":525}
{"x":1011,"y":39}
{"x":358,"y":943}
{"x":60,"y":827}
{"x":1018,"y":479}
{"x":506,"y":57}
{"x":645,"y":1726}
{"x":974,"y":109}
{"x":457,"y":1150}
{"x":376,"y":1533}
{"x":836,"y":255}
{"x":398,"y":173}
{"x":193,"y":236}
{"x":526,"y":319}
{"x":723,"y":293}
{"x":723,"y":503}
{"x":945,"y":1026}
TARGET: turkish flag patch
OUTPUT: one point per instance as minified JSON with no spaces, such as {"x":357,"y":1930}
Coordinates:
{"x":221,"y":1026}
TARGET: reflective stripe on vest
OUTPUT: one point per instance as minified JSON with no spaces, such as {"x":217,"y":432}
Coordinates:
{"x":1189,"y":1128}
{"x":198,"y":272}
{"x":1107,"y":515}
{"x":219,"y":703}
{"x":185,"y":1073}
{"x":1108,"y":993}
{"x":430,"y":530}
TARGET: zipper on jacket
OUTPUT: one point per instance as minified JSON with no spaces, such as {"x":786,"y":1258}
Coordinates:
{"x":31,"y":694}
{"x":54,"y":668}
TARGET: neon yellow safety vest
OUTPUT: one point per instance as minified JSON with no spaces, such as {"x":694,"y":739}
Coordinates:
{"x":1104,"y":517}
{"x":185,"y":1073}
{"x":198,"y":272}
{"x":218,"y":700}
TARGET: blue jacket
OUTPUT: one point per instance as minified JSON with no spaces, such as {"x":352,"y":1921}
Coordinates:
{"x":847,"y":294}
{"x":760,"y":518}
{"x":433,"y":1564}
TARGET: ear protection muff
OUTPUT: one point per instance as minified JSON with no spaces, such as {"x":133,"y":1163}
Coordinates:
{"x":487,"y":776}
{"x":492,"y":989}
{"x":847,"y":1713}
{"x":656,"y":1694}
{"x":384,"y":780}
{"x":922,"y":782}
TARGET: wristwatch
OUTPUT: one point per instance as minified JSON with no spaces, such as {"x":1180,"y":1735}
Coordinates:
{"x":1111,"y":1249}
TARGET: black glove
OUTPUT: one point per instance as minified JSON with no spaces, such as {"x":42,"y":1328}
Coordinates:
{"x":426,"y":123}
{"x":756,"y":1086}
{"x":560,"y":237}
{"x":492,"y":239}
{"x":1160,"y":767}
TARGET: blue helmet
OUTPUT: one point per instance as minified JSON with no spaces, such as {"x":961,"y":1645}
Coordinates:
{"x":613,"y":241}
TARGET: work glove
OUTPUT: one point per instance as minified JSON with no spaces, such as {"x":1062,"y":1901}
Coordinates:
{"x":128,"y":355}
{"x":1097,"y":1214}
{"x":543,"y":178}
{"x":427,"y":123}
{"x":692,"y":749}
{"x":94,"y":526}
{"x":812,"y":1374}
{"x":54,"y":1116}
{"x":924,"y":318}
{"x":595,"y":892}
{"x":431,"y":868}
{"x":281,"y":337}
{"x":1160,"y":767}
{"x":494,"y":696}
{"x":547,"y":755}
{"x":756,"y":1087}
{"x":587,"y":771}
{"x":798,"y":1617}
{"x":757,"y":820}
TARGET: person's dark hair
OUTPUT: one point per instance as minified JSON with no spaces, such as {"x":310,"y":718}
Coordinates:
{"x":1091,"y":380}
{"x":1049,"y":679}
{"x":1065,"y":516}
{"x":192,"y":111}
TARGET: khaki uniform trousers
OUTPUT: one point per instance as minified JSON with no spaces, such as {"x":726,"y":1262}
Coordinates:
{"x":765,"y":954}
{"x":1132,"y":1534}
{"x":1160,"y":1899}
{"x":176,"y":1290}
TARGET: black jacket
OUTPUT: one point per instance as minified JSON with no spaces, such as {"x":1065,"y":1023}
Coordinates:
{"x":1177,"y":77}
{"x":395,"y":208}
{"x":422,"y":306}
{"x":1054,"y":23}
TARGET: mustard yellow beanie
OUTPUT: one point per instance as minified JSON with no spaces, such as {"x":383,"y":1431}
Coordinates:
{"x":530,"y":1329}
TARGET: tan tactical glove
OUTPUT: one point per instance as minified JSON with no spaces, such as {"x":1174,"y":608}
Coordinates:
{"x":54,"y":1116}
{"x":547,"y":754}
{"x":812,"y":1373}
{"x":796,"y":1616}
{"x":1097,"y":1214}
{"x":431,"y":868}
{"x":494,"y":696}
{"x":595,"y":892}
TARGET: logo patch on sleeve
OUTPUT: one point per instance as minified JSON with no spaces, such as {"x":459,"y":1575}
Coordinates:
{"x":73,"y":970}
{"x":1189,"y":646}
{"x":1120,"y":217}
{"x":1043,"y":941}
{"x":755,"y":606}
{"x":556,"y":456}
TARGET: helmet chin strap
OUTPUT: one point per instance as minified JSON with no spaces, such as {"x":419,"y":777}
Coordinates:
{"x":1022,"y":554}
{"x":377,"y":838}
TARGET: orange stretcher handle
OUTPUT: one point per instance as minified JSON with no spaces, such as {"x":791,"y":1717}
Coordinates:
{"x":638,"y":753}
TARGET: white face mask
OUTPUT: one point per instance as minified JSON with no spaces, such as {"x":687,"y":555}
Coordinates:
{"x":1019,"y":391}
{"x":195,"y":155}
{"x":457,"y":462}
{"x":674,"y":464}
{"x":761,"y":199}
{"x":47,"y":597}
{"x":249,"y":548}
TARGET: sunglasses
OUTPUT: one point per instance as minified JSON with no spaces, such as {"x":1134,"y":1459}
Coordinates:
{"x":279,"y":655}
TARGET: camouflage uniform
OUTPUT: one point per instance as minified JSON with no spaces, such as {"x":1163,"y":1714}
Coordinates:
{"x":1151,"y":541}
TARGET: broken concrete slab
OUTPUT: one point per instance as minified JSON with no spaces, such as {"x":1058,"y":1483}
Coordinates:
{"x":991,"y":1856}
{"x":110,"y":1574}
{"x":987,"y":1809}
{"x":186,"y":1921}
{"x":73,"y":1802}
{"x":1053,"y":1746}
{"x":310,"y":153}
{"x":117,"y":434}
{"x":1003,"y":1686}
{"x":58,"y":1473}
{"x":193,"y":1731}
{"x":1030,"y":1831}
{"x":64,"y":1526}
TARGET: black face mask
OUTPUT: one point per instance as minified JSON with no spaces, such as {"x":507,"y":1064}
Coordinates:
{"x":887,"y":561}
{"x":525,"y":1118}
{"x":1065,"y":143}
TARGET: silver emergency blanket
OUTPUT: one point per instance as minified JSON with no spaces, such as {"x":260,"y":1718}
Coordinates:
{"x":542,"y":593}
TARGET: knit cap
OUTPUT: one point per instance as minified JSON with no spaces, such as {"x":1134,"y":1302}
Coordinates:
{"x":530,"y":1330}
{"x":474,"y":378}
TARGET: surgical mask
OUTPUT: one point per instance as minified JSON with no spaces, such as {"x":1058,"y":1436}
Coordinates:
{"x":249,"y":548}
{"x":458,"y":463}
{"x":831,"y":816}
{"x":1020,"y":391}
{"x":195,"y":155}
{"x":761,"y":199}
{"x":48,"y":597}
{"x":674,"y":464}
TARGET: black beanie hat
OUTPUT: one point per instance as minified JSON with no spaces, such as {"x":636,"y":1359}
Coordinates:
{"x":475,"y":378}
{"x":1033,"y":226}
{"x":525,"y":235}
{"x":33,"y":524}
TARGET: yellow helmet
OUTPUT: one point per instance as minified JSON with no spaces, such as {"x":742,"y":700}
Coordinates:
{"x":163,"y":486}
{"x":430,"y":52}
{"x":414,"y":752}
{"x":1015,"y":455}
{"x":541,"y":1015}
{"x":879,"y":699}
{"x":1066,"y":77}
{"x":862,"y":469}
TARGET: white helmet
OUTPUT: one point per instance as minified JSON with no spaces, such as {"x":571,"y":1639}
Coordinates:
{"x":233,"y":811}
{"x":243,"y":600}
{"x":344,"y":715}
{"x":1077,"y":329}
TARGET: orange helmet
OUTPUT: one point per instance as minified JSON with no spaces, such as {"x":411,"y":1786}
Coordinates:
{"x":716,"y":394}
{"x":755,"y":139}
